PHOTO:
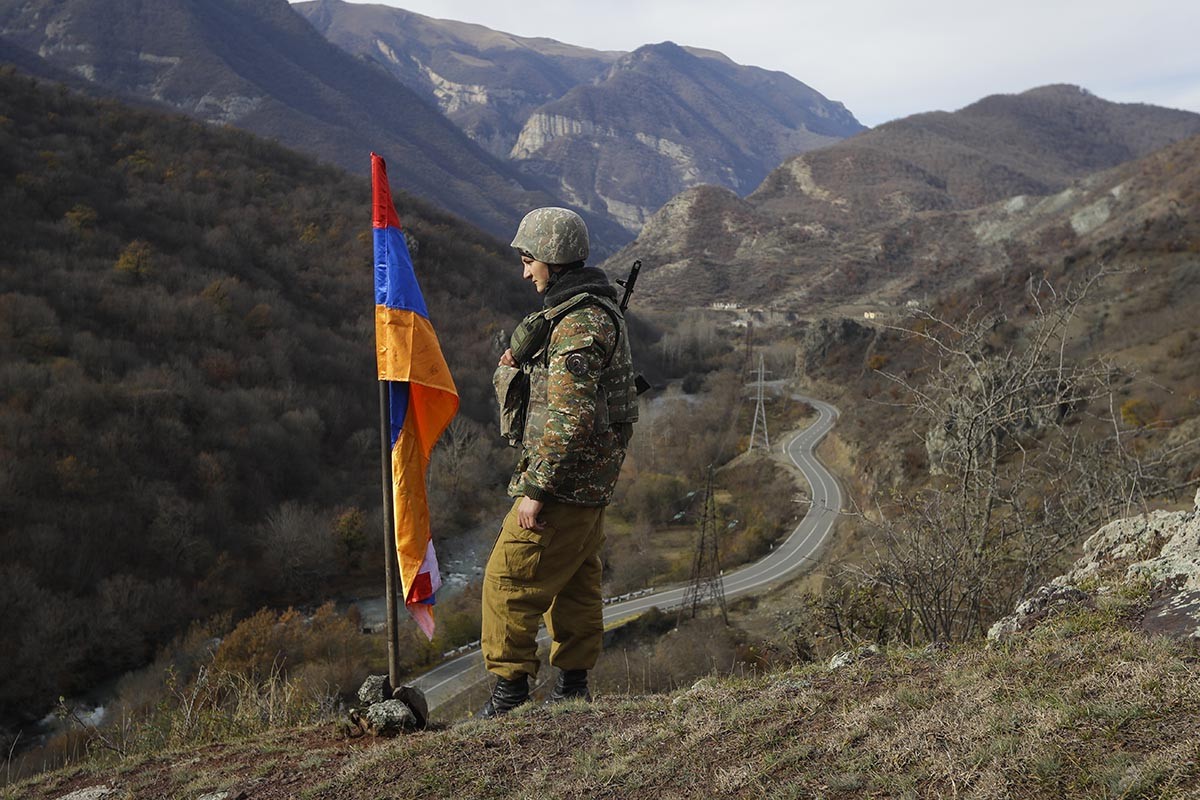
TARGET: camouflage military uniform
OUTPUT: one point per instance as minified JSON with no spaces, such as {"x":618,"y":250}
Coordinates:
{"x":571,"y":456}
{"x":570,"y":453}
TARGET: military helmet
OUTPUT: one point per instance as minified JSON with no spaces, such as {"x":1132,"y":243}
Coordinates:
{"x":553,"y":236}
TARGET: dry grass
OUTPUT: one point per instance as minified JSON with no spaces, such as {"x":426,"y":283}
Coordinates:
{"x":1082,"y":707}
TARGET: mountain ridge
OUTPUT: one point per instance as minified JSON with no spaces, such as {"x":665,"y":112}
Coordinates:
{"x":261,"y":66}
{"x":615,"y":133}
{"x":844,"y":219}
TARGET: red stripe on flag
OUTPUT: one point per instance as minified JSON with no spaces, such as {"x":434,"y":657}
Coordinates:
{"x":383,"y":212}
{"x":422,"y":589}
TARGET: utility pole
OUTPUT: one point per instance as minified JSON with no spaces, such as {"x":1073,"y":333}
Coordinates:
{"x":748,"y":346}
{"x":760,"y":413}
{"x":707,"y":583}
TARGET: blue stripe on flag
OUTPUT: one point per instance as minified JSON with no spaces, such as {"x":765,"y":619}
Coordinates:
{"x":395,"y":281}
{"x":397,"y":407}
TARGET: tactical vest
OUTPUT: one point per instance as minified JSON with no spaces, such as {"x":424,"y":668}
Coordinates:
{"x":616,"y":401}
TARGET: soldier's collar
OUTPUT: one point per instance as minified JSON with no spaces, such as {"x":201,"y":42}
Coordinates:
{"x":571,"y":282}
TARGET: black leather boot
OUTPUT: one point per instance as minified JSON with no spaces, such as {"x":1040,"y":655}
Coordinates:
{"x":571,"y":684}
{"x":506,"y":695}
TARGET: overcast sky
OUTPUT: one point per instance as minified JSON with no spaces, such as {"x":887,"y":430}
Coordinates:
{"x":889,"y":58}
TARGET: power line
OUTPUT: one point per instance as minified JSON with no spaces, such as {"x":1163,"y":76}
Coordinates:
{"x":760,"y":412}
{"x":707,"y":583}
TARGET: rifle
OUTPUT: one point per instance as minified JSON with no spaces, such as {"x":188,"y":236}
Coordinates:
{"x":628,"y":283}
{"x":642,"y":385}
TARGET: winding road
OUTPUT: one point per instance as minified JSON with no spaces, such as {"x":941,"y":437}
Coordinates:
{"x":797,"y":552}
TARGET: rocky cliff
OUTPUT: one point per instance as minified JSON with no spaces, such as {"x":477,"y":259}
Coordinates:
{"x":1159,"y":551}
{"x":615,"y":133}
{"x":487,"y":82}
{"x":665,"y":118}
{"x":261,"y":67}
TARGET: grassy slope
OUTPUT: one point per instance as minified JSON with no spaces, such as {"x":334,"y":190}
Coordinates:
{"x":1081,"y":707}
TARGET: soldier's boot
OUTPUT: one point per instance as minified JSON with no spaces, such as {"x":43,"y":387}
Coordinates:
{"x":506,"y":695}
{"x":571,"y":684}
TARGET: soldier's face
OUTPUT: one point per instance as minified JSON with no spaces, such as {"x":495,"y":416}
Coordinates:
{"x":536,"y":271}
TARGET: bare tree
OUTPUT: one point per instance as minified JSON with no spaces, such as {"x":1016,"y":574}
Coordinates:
{"x":1027,"y":458}
{"x":457,"y":446}
{"x":298,"y":547}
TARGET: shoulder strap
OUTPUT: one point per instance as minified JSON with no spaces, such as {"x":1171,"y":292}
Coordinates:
{"x":556,"y":313}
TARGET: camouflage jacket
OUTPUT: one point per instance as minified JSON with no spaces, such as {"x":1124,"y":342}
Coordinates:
{"x":570,"y":451}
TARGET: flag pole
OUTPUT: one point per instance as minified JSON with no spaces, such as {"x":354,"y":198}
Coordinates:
{"x":389,"y":536}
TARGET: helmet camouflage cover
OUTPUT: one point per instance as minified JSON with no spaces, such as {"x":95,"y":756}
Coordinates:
{"x":553,"y":236}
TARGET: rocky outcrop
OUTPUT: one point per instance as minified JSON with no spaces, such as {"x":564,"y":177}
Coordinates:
{"x":667,"y":118}
{"x":974,"y":418}
{"x":833,"y":342}
{"x":1047,"y":601}
{"x":1161,"y":549}
{"x":848,"y":657}
{"x":542,"y":128}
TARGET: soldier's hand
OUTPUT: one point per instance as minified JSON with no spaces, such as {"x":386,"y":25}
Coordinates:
{"x":507,"y":359}
{"x":527,"y":514}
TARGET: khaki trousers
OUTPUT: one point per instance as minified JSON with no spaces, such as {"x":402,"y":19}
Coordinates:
{"x":552,"y":573}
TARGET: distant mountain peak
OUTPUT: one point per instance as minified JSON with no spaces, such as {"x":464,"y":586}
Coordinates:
{"x":615,"y":133}
{"x":263,"y":67}
{"x":1060,"y":91}
{"x":912,"y":202}
{"x":664,"y":48}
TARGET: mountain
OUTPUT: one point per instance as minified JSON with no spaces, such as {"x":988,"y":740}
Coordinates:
{"x":665,"y":118}
{"x":258,"y":65}
{"x":32,"y":64}
{"x":485,"y":81}
{"x":615,"y":133}
{"x":892,"y":209}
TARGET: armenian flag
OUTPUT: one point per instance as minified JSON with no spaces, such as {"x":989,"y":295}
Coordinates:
{"x":422,"y":398}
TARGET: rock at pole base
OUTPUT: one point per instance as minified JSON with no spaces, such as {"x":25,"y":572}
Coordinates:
{"x":414,"y":698}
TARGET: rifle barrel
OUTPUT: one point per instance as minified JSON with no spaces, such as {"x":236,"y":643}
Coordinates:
{"x":629,"y":282}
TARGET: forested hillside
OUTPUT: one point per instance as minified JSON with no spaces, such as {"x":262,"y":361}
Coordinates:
{"x":187,"y":393}
{"x":258,"y":65}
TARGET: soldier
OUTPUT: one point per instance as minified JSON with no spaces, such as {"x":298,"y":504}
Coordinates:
{"x":577,"y":422}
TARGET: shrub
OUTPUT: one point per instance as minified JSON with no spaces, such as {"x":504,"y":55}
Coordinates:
{"x":1138,"y":413}
{"x":136,"y":260}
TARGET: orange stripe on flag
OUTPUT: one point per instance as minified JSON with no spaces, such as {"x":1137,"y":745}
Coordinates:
{"x":408,"y":494}
{"x":408,"y":352}
{"x":407,"y":349}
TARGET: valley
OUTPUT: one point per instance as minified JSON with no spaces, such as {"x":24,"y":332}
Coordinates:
{"x":998,"y":301}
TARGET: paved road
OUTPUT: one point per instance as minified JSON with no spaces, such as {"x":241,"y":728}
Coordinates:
{"x":796,"y":553}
